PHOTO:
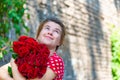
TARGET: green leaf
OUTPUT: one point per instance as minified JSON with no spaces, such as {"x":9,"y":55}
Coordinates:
{"x":1,"y":55}
{"x":17,"y":28}
{"x":26,"y":28}
{"x":4,"y":52}
{"x":14,"y":56}
{"x":10,"y":71}
{"x":28,"y":16}
{"x":11,"y":49}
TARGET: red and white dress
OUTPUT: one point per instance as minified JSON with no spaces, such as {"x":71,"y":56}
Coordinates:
{"x":57,"y":65}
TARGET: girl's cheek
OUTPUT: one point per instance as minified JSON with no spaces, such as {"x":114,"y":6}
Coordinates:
{"x":43,"y":32}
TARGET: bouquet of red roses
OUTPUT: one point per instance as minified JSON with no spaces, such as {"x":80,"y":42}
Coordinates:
{"x":32,"y":57}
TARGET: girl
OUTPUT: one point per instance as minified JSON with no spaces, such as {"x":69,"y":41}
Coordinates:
{"x":50,"y":32}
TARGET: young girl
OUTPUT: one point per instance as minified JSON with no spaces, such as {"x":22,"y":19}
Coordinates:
{"x":50,"y":32}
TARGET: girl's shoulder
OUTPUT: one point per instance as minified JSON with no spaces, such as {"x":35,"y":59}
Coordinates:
{"x":56,"y":57}
{"x":57,"y":65}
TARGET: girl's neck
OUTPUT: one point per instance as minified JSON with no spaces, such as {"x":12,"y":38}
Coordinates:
{"x":52,"y":52}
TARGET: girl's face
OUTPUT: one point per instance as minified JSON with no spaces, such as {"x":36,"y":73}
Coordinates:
{"x":50,"y":34}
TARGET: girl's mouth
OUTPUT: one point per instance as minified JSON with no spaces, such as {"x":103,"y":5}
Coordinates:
{"x":49,"y":37}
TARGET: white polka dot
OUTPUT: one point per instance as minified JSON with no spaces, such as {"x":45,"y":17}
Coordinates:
{"x":56,"y":60}
{"x":53,"y":64}
{"x":58,"y":71}
{"x":59,"y":59}
{"x":51,"y":61}
{"x":60,"y":63}
{"x":57,"y":64}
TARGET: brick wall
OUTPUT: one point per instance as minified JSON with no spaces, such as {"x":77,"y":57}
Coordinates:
{"x":86,"y":50}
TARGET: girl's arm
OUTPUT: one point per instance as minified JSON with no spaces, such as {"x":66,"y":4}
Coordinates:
{"x":49,"y":75}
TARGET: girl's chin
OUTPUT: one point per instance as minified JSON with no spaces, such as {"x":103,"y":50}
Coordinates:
{"x":46,"y":43}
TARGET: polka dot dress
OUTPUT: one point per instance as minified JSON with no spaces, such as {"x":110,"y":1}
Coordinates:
{"x":57,"y":65}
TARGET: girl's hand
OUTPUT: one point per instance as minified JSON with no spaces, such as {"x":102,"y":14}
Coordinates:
{"x":16,"y":74}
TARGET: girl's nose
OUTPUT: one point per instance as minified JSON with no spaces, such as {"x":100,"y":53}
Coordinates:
{"x":50,"y":32}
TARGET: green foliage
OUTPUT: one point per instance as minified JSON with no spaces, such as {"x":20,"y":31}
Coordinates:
{"x":115,"y":47}
{"x":10,"y":71}
{"x":4,"y":44}
{"x":11,"y":17}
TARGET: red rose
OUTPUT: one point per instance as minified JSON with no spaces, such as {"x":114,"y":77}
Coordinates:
{"x":17,"y":45}
{"x":22,"y":38}
{"x":22,"y":51}
{"x":27,"y":70}
{"x":32,"y":57}
{"x":31,"y":41}
{"x":42,"y":71}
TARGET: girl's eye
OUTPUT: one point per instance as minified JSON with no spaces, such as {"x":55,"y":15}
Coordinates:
{"x":57,"y":31}
{"x":47,"y":28}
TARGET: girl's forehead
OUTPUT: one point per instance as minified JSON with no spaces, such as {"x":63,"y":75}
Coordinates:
{"x":52,"y":25}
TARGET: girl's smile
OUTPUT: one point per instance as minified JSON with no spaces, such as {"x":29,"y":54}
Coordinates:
{"x":49,"y":37}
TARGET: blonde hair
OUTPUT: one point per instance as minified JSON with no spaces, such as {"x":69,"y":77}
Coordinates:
{"x":56,"y":21}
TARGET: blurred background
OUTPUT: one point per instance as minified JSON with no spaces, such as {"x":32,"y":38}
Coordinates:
{"x":91,"y":49}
